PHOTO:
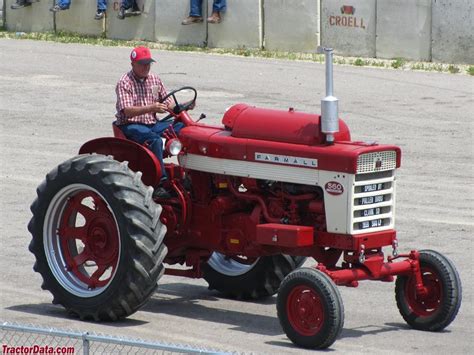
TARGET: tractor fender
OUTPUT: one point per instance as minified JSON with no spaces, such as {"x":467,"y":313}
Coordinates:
{"x":138,"y":156}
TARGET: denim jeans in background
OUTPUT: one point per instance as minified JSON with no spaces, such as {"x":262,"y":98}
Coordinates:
{"x":150,"y":134}
{"x":101,"y":4}
{"x":196,"y":7}
{"x":126,"y":4}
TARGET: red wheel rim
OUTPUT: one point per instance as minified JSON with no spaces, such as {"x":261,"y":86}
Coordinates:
{"x":94,"y":263}
{"x":305,"y":310}
{"x":425,"y":305}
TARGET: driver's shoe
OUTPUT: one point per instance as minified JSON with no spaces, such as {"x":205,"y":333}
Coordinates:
{"x":20,"y":4}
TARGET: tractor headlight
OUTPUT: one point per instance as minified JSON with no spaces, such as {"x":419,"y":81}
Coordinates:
{"x":174,"y":146}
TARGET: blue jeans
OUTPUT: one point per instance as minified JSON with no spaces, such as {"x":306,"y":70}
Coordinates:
{"x":150,"y":134}
{"x":101,"y":4}
{"x":127,"y":4}
{"x":196,"y":7}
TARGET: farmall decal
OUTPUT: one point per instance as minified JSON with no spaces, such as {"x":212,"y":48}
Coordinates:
{"x":286,"y":160}
{"x":334,"y":188}
{"x":347,"y":18}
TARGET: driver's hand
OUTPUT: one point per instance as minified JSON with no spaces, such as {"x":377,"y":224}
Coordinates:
{"x":192,"y":106}
{"x":159,"y":107}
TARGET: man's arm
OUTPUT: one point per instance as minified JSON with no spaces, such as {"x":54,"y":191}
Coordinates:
{"x":156,"y":107}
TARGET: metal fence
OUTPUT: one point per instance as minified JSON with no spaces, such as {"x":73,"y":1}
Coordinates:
{"x":29,"y":339}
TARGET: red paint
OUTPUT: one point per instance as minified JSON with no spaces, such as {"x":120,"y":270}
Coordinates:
{"x":428,"y":302}
{"x":305,"y":310}
{"x":98,"y":233}
{"x":139,"y":157}
{"x":284,"y":235}
{"x":348,"y":10}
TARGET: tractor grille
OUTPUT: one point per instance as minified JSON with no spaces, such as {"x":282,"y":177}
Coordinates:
{"x":377,"y":161}
{"x":373,"y":207}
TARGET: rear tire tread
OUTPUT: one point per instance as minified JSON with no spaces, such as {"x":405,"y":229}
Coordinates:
{"x":147,"y":251}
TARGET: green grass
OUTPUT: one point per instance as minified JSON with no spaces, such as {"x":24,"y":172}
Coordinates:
{"x":397,"y":63}
{"x":359,"y":62}
{"x":453,"y":69}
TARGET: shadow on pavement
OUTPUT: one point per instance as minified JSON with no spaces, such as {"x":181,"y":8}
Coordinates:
{"x":50,"y":310}
{"x":185,"y":304}
{"x":199,"y":292}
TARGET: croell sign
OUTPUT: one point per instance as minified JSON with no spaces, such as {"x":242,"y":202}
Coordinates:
{"x":347,"y":18}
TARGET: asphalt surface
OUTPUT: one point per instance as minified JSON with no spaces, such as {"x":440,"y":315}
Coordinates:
{"x":54,"y":97}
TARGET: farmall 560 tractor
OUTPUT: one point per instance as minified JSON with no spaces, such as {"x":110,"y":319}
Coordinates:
{"x":248,"y":202}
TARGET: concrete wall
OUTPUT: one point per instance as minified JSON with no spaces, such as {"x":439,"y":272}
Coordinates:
{"x":453,"y":31}
{"x":441,"y":30}
{"x":282,"y":25}
{"x":136,"y":27}
{"x":241,"y":27}
{"x":168,"y":28}
{"x":35,"y":18}
{"x":349,"y":26}
{"x":80,"y":18}
{"x":404,"y":29}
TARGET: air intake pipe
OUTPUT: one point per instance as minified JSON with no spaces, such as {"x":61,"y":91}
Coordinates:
{"x":329,"y":105}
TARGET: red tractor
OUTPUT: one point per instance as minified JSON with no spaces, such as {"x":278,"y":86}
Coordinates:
{"x":248,"y":202}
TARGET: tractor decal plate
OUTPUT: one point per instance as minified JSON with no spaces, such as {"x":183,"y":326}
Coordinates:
{"x":286,"y":160}
{"x":257,"y":170}
{"x":334,"y":188}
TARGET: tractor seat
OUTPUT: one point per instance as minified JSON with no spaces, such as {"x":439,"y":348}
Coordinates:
{"x":117,"y":131}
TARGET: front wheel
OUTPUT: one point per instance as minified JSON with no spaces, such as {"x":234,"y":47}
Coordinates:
{"x":310,"y":309}
{"x":436,"y":309}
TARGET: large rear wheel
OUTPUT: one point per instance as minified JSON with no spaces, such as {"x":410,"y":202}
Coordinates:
{"x":97,"y":238}
{"x":437,"y":308}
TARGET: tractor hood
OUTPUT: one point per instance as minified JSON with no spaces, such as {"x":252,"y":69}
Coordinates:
{"x":254,"y":139}
{"x":278,"y":126}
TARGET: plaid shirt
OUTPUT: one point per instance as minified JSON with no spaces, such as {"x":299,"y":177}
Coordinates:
{"x":134,"y":92}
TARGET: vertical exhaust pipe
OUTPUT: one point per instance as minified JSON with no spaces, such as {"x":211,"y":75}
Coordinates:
{"x":329,"y":105}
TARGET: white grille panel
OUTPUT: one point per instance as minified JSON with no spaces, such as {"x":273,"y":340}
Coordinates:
{"x":373,"y":203}
{"x":377,"y":161}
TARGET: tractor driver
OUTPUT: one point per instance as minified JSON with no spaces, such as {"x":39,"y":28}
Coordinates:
{"x":139,"y":98}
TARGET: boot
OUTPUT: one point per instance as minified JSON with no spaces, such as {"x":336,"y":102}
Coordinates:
{"x":20,"y":4}
{"x":192,"y":19}
{"x":214,"y":18}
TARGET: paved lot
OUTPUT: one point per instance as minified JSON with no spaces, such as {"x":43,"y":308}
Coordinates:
{"x":54,"y":97}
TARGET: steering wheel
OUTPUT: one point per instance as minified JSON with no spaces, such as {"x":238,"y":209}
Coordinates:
{"x":178,"y":108}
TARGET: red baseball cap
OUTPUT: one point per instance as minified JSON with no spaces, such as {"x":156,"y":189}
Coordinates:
{"x":141,"y":55}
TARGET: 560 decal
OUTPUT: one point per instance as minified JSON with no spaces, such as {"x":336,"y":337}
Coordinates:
{"x":334,"y":188}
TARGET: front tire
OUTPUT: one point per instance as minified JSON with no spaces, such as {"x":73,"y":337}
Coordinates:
{"x":97,"y":238}
{"x":439,"y":307}
{"x":310,"y":309}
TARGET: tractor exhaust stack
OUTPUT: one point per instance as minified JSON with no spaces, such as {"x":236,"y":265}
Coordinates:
{"x":329,"y":105}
